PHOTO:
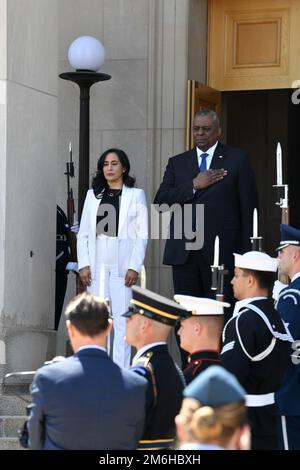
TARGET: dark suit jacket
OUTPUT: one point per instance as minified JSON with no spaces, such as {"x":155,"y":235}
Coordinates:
{"x":86,"y":402}
{"x":228,"y":204}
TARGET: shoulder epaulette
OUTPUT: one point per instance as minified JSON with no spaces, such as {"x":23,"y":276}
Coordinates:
{"x":144,"y":362}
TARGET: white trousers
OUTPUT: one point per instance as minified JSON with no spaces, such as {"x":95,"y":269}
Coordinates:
{"x":109,"y":285}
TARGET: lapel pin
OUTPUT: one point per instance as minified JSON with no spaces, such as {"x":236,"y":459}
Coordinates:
{"x":220,"y":156}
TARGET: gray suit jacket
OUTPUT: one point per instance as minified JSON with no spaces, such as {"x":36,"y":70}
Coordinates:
{"x":86,"y":402}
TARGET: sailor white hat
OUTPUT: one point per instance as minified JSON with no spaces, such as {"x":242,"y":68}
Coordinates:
{"x":256,"y":260}
{"x":200,"y":305}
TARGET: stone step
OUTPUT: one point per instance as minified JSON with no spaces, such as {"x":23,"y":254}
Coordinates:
{"x":10,"y":425}
{"x":14,"y":405}
{"x":10,"y":443}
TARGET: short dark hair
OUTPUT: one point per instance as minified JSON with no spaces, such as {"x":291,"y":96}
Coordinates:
{"x":265,"y":279}
{"x":99,"y":182}
{"x":209,"y":112}
{"x":88,"y":313}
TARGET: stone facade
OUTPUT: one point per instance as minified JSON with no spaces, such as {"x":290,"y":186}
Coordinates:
{"x":141,"y":109}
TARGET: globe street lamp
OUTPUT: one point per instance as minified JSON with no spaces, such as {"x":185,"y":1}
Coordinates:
{"x":86,"y":55}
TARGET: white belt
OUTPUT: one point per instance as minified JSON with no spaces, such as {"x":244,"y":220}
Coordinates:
{"x":106,"y":237}
{"x":260,"y":400}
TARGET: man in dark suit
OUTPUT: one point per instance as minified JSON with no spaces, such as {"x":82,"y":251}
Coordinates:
{"x":149,"y":321}
{"x":220,"y":178}
{"x":86,"y":402}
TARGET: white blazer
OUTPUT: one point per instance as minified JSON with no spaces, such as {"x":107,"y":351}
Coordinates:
{"x":132,"y":231}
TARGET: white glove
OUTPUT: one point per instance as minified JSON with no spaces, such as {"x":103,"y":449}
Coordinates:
{"x":55,"y":359}
{"x":277,"y":288}
{"x":75,"y":227}
{"x":71,"y":266}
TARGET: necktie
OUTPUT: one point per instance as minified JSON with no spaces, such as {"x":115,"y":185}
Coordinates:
{"x":203,"y":162}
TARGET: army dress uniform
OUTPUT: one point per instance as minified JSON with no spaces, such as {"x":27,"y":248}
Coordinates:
{"x":288,"y":397}
{"x":165,"y":379}
{"x":164,"y":396}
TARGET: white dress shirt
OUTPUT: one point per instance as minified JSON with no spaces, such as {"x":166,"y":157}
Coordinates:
{"x":210,"y":152}
{"x":91,"y":346}
{"x":295,"y":277}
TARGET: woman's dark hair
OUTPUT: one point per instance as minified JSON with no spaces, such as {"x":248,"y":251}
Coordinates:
{"x":99,"y":182}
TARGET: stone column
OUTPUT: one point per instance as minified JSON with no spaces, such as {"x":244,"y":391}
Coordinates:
{"x":28,"y":159}
{"x":168,"y":63}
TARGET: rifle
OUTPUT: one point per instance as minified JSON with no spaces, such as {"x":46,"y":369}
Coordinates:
{"x":70,"y":205}
{"x":283,"y":201}
{"x":218,"y":273}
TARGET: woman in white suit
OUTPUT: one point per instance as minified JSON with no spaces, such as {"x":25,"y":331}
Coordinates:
{"x":112,"y":240}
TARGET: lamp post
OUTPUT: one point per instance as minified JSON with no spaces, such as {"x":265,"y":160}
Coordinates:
{"x":86,"y":55}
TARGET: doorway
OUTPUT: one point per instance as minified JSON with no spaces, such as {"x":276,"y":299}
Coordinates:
{"x":256,"y":121}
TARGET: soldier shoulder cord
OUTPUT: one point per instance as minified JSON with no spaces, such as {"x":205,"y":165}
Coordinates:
{"x":144,"y":362}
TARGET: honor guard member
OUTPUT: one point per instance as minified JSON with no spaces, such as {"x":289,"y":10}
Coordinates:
{"x":200,"y":333}
{"x":62,"y":259}
{"x":255,"y":344}
{"x":213,"y":413}
{"x":288,"y":306}
{"x":150,"y":319}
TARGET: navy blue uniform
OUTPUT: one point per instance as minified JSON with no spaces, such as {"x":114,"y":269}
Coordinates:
{"x":198,"y":362}
{"x":62,"y":259}
{"x":288,"y":397}
{"x":163,"y":398}
{"x":255,"y":345}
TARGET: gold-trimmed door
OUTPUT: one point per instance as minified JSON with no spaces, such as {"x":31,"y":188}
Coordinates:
{"x":199,"y":96}
{"x":253,"y":44}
